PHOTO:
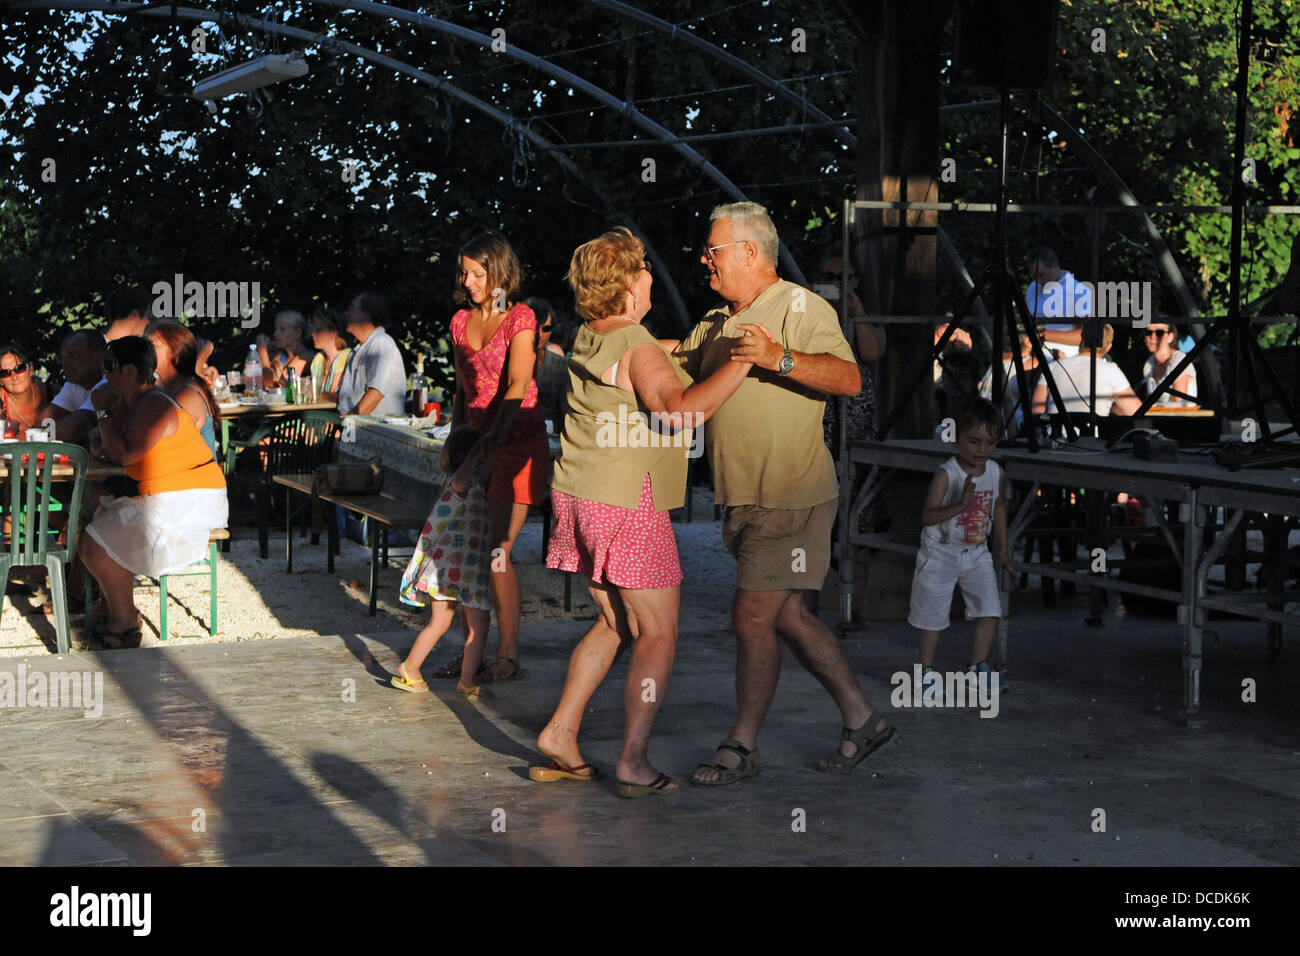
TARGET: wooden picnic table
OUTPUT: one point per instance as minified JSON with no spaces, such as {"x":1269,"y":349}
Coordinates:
{"x":244,"y":409}
{"x":258,"y":410}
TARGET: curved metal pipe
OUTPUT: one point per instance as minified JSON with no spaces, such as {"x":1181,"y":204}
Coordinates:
{"x":565,"y":163}
{"x":627,"y":109}
{"x":713,"y":52}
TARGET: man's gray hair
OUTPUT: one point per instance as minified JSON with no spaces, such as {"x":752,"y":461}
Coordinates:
{"x":749,"y":220}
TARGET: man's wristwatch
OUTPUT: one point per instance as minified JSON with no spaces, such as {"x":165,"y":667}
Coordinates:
{"x":102,"y":413}
{"x":787,"y":364}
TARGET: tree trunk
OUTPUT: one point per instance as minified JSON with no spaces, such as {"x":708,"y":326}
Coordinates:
{"x":898,"y":159}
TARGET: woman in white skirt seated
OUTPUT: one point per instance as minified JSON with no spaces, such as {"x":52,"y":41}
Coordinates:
{"x":181,"y":493}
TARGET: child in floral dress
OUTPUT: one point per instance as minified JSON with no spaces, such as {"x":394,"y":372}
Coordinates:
{"x":451,"y":566}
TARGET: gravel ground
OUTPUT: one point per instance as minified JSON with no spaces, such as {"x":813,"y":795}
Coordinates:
{"x":258,"y":601}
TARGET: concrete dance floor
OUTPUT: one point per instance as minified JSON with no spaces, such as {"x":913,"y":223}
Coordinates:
{"x":293,"y":752}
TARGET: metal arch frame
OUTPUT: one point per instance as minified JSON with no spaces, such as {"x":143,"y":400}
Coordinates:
{"x":715,"y":52}
{"x":398,"y":66}
{"x":1165,"y":259}
{"x":662,"y":135}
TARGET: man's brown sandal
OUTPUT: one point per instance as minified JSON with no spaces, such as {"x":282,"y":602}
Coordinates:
{"x":748,"y":766}
{"x":865,"y":739}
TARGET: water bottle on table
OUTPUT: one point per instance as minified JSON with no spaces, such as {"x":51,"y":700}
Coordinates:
{"x":252,"y":372}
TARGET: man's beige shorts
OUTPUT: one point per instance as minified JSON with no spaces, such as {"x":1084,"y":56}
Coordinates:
{"x":778,"y":549}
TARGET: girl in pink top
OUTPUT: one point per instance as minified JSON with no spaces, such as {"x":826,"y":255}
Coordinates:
{"x":495,"y":341}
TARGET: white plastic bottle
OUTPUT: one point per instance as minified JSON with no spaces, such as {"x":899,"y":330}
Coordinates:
{"x":252,"y":372}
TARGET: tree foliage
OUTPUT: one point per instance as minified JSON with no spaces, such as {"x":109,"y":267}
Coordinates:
{"x":148,"y":184}
{"x":1153,"y":93}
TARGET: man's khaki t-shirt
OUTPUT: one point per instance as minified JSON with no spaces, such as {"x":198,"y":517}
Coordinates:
{"x":766,"y":443}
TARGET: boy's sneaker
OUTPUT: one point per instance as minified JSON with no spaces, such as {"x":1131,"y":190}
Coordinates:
{"x":983,"y":679}
{"x":931,"y":685}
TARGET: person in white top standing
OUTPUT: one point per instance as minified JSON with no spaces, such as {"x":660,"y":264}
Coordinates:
{"x":1056,"y":294}
{"x":1161,"y":339}
{"x":966,"y":500}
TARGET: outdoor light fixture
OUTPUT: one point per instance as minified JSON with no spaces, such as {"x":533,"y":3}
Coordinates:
{"x":252,"y":75}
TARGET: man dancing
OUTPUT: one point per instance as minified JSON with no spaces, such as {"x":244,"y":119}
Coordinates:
{"x":775,"y":475}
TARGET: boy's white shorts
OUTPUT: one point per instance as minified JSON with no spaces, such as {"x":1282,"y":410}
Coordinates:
{"x":941,"y":567}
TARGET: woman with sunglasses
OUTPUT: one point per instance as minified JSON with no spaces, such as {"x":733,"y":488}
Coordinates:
{"x":22,"y":396}
{"x":1161,"y":338}
{"x":181,"y":490}
{"x":552,"y":371}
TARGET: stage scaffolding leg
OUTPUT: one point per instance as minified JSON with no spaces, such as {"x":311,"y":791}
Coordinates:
{"x":1274,"y":571}
{"x":1194,"y":587}
{"x":876,"y":481}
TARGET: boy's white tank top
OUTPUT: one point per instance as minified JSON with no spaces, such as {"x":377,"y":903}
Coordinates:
{"x":972,"y":526}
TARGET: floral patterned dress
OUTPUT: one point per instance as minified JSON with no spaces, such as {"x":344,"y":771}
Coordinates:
{"x":452,"y":561}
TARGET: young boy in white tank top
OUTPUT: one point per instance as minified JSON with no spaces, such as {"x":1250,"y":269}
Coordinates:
{"x":964,"y":504}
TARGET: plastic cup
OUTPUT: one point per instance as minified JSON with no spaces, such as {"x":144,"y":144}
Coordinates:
{"x":432,"y":410}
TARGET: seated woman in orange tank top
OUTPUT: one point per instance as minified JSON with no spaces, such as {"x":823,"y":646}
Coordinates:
{"x":182,"y":491}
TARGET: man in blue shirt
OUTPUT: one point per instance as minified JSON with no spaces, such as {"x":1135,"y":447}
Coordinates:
{"x":374,"y":380}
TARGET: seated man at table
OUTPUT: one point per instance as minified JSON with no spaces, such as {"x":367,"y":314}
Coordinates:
{"x":1073,"y":376}
{"x":82,"y":356}
{"x":1054,"y":293}
{"x":374,"y":381}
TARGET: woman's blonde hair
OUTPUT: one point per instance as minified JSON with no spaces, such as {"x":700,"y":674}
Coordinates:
{"x":601,"y":272}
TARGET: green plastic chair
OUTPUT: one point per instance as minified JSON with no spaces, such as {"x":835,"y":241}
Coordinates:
{"x":31,"y":541}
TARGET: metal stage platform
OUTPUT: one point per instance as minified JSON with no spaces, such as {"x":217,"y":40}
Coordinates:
{"x":1192,"y":489}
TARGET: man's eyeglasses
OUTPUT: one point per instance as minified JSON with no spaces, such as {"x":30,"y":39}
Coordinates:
{"x":708,"y":251}
{"x":1158,"y":333}
{"x":16,"y":370}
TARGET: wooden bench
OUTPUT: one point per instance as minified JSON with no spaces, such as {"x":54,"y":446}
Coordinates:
{"x":383,"y":511}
